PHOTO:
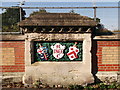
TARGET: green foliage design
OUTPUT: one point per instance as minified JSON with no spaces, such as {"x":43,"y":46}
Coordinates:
{"x":66,"y":50}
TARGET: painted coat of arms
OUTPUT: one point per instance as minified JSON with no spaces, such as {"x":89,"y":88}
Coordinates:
{"x":73,"y":51}
{"x":58,"y":50}
{"x":42,"y":51}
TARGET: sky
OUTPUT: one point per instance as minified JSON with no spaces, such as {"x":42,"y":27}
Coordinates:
{"x":60,"y":0}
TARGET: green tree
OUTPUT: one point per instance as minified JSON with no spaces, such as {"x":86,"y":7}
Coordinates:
{"x":72,"y":11}
{"x":40,"y":11}
{"x":10,"y":18}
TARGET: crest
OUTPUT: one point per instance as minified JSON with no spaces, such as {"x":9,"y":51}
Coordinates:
{"x":58,"y":50}
{"x":42,"y":51}
{"x":73,"y":51}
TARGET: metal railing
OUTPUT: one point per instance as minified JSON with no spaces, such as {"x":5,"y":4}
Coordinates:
{"x":94,"y":8}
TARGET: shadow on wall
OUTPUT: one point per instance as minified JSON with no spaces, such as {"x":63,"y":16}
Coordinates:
{"x":119,"y":53}
{"x":94,"y":61}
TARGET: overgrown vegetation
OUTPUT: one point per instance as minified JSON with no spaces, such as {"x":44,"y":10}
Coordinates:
{"x":95,"y":86}
{"x":107,"y":84}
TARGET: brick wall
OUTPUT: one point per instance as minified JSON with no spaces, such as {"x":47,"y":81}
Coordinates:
{"x":108,"y":55}
{"x":105,"y":56}
{"x":12,"y":56}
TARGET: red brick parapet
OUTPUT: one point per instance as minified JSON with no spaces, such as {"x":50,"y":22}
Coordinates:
{"x":13,"y":53}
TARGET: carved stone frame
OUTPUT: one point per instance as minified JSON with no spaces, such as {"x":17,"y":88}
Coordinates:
{"x":38,"y":69}
{"x":31,"y":37}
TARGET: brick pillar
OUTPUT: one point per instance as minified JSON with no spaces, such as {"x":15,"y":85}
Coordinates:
{"x":108,"y":58}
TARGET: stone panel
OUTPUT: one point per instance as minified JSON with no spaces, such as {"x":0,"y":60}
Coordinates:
{"x":8,"y":56}
{"x":110,"y":55}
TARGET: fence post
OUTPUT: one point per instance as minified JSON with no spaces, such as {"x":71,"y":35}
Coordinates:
{"x":94,"y":13}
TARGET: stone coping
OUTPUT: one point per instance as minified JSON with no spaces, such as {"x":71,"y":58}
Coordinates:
{"x":12,"y":37}
{"x":22,"y":37}
{"x":109,"y":37}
